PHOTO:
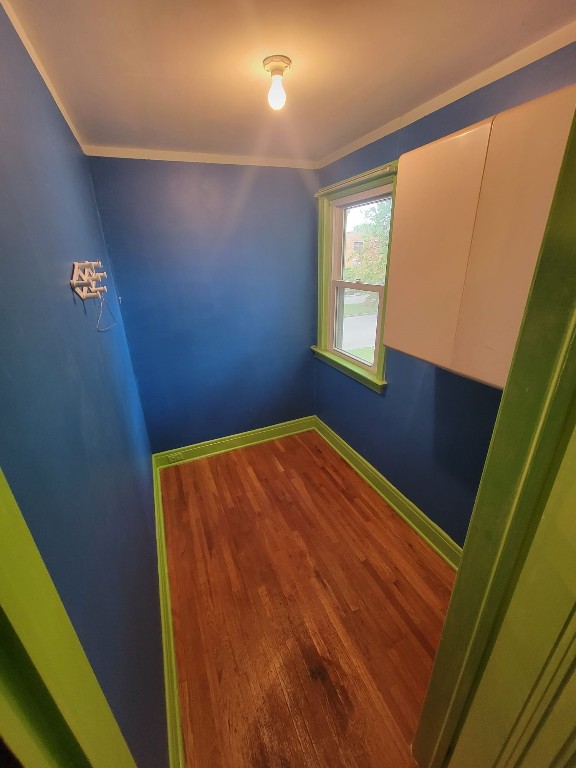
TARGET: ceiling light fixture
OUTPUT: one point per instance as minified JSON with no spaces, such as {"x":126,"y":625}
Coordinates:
{"x":276,"y":66}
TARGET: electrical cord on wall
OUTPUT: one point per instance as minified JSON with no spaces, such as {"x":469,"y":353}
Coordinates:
{"x":99,"y":328}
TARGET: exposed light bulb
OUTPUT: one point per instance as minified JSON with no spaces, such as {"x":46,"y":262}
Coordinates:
{"x":276,"y":66}
{"x":277,"y":94}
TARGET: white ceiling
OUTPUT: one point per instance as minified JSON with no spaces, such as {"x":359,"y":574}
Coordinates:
{"x":138,"y":77}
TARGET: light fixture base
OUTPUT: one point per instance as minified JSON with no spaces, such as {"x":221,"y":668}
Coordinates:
{"x":276,"y":64}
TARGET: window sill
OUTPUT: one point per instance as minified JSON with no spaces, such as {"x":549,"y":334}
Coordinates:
{"x":369,"y":380}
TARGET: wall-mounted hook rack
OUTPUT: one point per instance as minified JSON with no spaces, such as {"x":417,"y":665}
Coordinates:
{"x":85,"y":280}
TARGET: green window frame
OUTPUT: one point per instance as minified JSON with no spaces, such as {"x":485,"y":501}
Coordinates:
{"x":333,"y":202}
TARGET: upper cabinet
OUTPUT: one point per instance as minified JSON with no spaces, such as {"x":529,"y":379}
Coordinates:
{"x":469,"y":217}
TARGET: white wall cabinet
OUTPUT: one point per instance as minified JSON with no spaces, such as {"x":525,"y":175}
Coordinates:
{"x":469,"y":218}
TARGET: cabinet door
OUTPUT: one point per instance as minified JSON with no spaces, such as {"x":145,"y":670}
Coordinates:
{"x":525,"y":152}
{"x":437,"y":193}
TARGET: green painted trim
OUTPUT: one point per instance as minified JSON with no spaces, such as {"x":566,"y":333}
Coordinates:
{"x":32,"y":606}
{"x":221,"y":444}
{"x":370,"y":380}
{"x":380,"y":340}
{"x":176,"y":755}
{"x":543,"y":696}
{"x":30,"y":721}
{"x":324,"y":270}
{"x":170,"y":458}
{"x":364,"y":182}
{"x":21,"y":737}
{"x":416,"y":519}
{"x":360,"y":182}
{"x":527,"y":447}
{"x":429,"y":531}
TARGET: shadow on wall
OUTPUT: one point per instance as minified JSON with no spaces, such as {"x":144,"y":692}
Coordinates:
{"x":7,"y":759}
{"x":467,"y":420}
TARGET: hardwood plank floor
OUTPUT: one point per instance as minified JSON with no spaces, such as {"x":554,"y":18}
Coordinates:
{"x":306,"y":612}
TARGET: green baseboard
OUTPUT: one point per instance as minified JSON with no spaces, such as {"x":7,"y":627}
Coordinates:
{"x":177,"y":758}
{"x":167,"y":459}
{"x":241,"y":440}
{"x":416,"y":519}
{"x":429,"y":531}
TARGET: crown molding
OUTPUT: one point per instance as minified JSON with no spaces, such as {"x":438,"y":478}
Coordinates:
{"x":543,"y":47}
{"x":137,"y":153}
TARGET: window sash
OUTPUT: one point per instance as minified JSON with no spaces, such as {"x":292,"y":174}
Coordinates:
{"x":356,"y":286}
{"x":338,"y":214}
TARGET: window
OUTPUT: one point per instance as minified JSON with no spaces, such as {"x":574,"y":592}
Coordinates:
{"x":354,"y":232}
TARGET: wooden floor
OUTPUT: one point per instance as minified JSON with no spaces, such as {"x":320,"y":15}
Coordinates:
{"x":306,"y":612}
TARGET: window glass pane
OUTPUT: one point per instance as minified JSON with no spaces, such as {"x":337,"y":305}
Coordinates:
{"x":355,"y":323}
{"x":366,"y":236}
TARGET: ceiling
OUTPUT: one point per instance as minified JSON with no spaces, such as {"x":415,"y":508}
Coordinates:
{"x":142,"y":77}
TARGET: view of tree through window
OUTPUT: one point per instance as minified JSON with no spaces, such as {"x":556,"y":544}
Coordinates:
{"x":364,"y":256}
{"x":367,"y":232}
{"x":354,"y":224}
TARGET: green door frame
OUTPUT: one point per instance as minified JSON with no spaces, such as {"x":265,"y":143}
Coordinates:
{"x":530,"y":437}
{"x":53,"y":712}
{"x":523,"y":710}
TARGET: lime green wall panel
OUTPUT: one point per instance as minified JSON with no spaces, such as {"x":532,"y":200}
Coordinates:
{"x":532,"y":660}
{"x":34,"y":611}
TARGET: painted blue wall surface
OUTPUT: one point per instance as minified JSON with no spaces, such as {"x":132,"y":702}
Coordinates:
{"x":216,"y":266}
{"x":73,"y":444}
{"x":543,"y":76}
{"x":429,"y":432}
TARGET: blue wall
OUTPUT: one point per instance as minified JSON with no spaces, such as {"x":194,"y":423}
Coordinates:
{"x":429,"y":432}
{"x":543,"y":76}
{"x":72,"y":440}
{"x":216,"y":267}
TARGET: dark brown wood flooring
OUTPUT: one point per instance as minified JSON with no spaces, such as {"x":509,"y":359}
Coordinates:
{"x":306,"y":612}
